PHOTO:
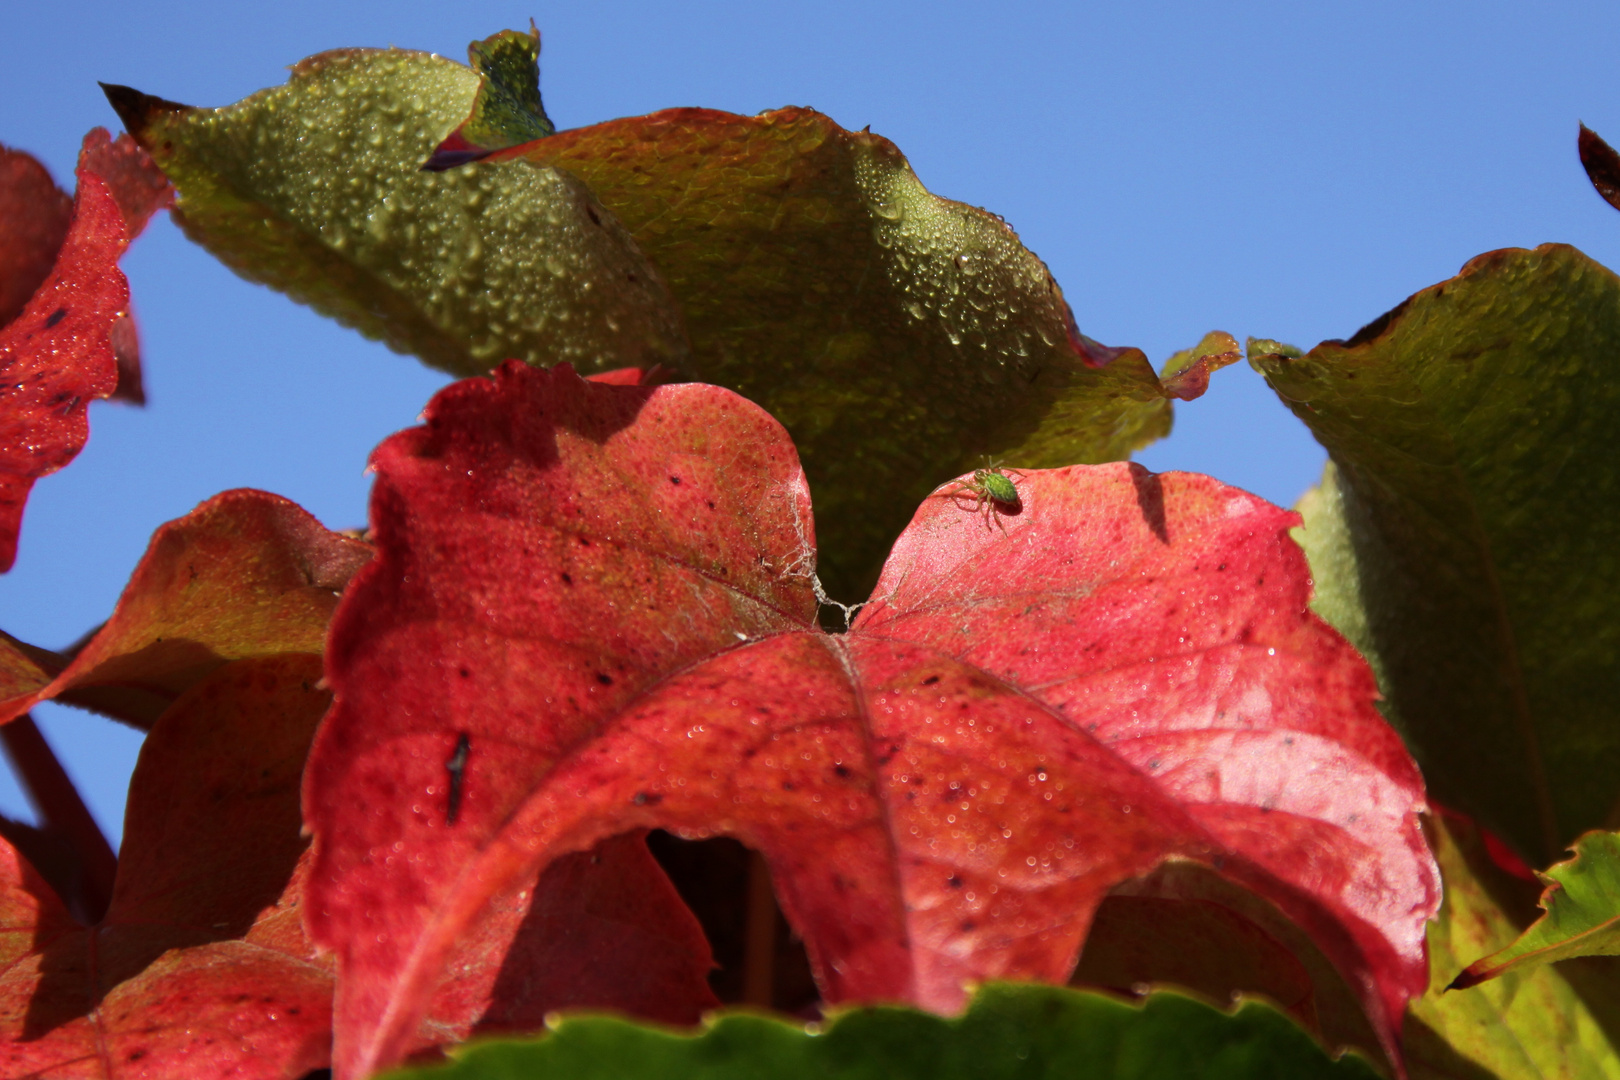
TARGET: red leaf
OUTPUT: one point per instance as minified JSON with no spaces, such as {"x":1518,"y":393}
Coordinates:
{"x":245,"y":574}
{"x":604,"y":594}
{"x":200,"y":967}
{"x":34,"y":216}
{"x":65,"y":343}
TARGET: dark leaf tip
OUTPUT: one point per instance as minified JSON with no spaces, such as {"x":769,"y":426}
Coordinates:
{"x":136,"y":109}
{"x":1602,"y":165}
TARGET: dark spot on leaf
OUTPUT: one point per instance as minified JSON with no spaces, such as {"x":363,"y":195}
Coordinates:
{"x":841,"y":770}
{"x":787,"y":785}
{"x":675,"y":480}
{"x":1221,"y":567}
{"x":55,"y":317}
{"x":466,"y":673}
{"x":590,"y":211}
{"x":954,"y":882}
{"x":967,"y":925}
{"x":647,"y":798}
{"x":135,"y":1055}
{"x":604,"y":678}
{"x":568,"y":579}
{"x":931,"y":680}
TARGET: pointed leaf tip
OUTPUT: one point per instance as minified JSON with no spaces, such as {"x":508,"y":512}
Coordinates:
{"x":137,"y":110}
{"x":1602,"y":165}
{"x":507,"y":110}
{"x":1580,"y":914}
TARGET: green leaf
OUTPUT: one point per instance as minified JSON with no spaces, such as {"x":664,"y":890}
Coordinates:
{"x":1544,"y":1023}
{"x":315,"y":188}
{"x":900,"y":337}
{"x":1010,"y":1031}
{"x":1464,"y":539}
{"x":1581,"y":913}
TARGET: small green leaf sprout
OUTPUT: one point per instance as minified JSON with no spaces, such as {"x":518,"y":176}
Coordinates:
{"x":991,"y":490}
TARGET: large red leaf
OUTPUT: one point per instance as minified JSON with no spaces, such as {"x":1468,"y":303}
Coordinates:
{"x":63,"y":348}
{"x":603,"y":595}
{"x":201,"y":968}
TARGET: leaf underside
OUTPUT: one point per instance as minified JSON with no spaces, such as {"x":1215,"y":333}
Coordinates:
{"x":1463,"y":537}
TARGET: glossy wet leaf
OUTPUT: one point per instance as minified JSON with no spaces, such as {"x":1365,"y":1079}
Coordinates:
{"x":1464,"y":539}
{"x":1546,"y":1023}
{"x":200,"y":967}
{"x":56,"y":354}
{"x":605,"y":593}
{"x":245,"y":574}
{"x":314,"y":188}
{"x":900,"y":337}
{"x":1008,"y":1031}
{"x":1580,"y":913}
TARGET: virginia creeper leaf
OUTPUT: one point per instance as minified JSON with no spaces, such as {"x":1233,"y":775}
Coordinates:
{"x":603,"y":593}
{"x":1464,"y":539}
{"x":245,"y":574}
{"x":1008,"y":1031}
{"x":897,"y":335}
{"x":200,"y":967}
{"x":57,"y":353}
{"x":1580,"y":913}
{"x":314,"y":188}
{"x":1537,"y":1024}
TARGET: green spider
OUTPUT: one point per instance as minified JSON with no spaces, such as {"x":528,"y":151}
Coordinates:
{"x":992,"y":490}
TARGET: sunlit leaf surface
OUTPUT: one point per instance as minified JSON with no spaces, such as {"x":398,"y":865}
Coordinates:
{"x":603,"y":594}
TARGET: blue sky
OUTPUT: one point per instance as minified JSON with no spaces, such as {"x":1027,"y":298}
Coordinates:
{"x":1284,"y":170}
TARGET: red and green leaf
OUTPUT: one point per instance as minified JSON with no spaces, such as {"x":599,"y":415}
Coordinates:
{"x":605,"y":595}
{"x":246,"y":574}
{"x":1547,"y":1022}
{"x":1580,"y":914}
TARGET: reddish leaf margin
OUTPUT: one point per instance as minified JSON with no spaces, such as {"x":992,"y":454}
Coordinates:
{"x":64,"y":348}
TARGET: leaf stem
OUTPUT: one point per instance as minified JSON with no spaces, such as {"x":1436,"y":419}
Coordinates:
{"x":759,"y":950}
